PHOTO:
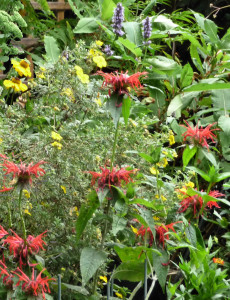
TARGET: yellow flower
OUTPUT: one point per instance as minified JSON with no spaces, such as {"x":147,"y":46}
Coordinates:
{"x":1,"y":140}
{"x":154,"y":171}
{"x":76,"y":210}
{"x":16,"y":84}
{"x":133,"y":123}
{"x":42,"y":69}
{"x":98,"y":101}
{"x":190,"y":184}
{"x":63,"y":188}
{"x":175,"y":154}
{"x":99,"y":43}
{"x":119,"y":295}
{"x":98,"y":231}
{"x":26,"y":193}
{"x":84,"y":78}
{"x":56,"y":108}
{"x":135,"y":230}
{"x":57,"y":145}
{"x":56,"y":136}
{"x":156,"y":218}
{"x":22,"y":67}
{"x":165,"y":162}
{"x":40,"y":75}
{"x":100,"y":61}
{"x":26,"y":211}
{"x":68,"y":92}
{"x":93,"y":52}
{"x":165,"y":153}
{"x":157,"y":196}
{"x":104,"y":278}
{"x":163,"y":198}
{"x":171,"y":140}
{"x":79,"y":70}
{"x":63,"y":269}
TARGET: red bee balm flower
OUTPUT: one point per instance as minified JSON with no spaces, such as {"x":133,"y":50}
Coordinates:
{"x":22,"y":172}
{"x":8,"y":278}
{"x":121,"y":82}
{"x":109,"y":178}
{"x":2,"y":232}
{"x":36,"y":287}
{"x":199,"y":136}
{"x":21,"y":248}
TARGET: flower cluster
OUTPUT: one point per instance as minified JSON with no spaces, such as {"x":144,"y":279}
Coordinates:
{"x":57,"y":138}
{"x":97,"y":57}
{"x":84,"y":78}
{"x":109,"y":178}
{"x":121,"y":83}
{"x":199,"y":136}
{"x":118,"y":19}
{"x":22,"y":172}
{"x":147,"y":29}
{"x":108,"y":51}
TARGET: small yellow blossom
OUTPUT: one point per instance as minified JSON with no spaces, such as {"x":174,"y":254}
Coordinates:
{"x":94,"y":52}
{"x":133,"y":123}
{"x":56,"y":108}
{"x":157,"y":196}
{"x":99,"y":235}
{"x":165,"y":162}
{"x":98,"y":101}
{"x":84,"y":78}
{"x":119,"y":295}
{"x":76,"y":210}
{"x":153,"y":171}
{"x":156,"y":218}
{"x":1,"y":140}
{"x":63,"y":188}
{"x":79,"y":70}
{"x":190,"y":184}
{"x":171,"y":140}
{"x":99,"y":43}
{"x":69,"y":93}
{"x":40,"y":75}
{"x":100,"y":61}
{"x":26,"y":211}
{"x":16,"y":84}
{"x":57,"y":145}
{"x":98,"y":158}
{"x":22,"y":67}
{"x":56,"y":136}
{"x":26,"y":193}
{"x":135,"y":230}
{"x":165,"y":152}
{"x":42,"y":69}
{"x":104,"y":278}
{"x":163,"y":198}
{"x":63,"y":269}
{"x":175,"y":154}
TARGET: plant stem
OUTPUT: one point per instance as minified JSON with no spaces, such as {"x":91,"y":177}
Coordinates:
{"x":114,"y":146}
{"x":9,"y":215}
{"x":21,"y":215}
{"x":195,"y":164}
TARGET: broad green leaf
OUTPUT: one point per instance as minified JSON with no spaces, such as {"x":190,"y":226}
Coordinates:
{"x":196,"y":59}
{"x":130,"y":270}
{"x":133,"y":32}
{"x":146,"y":157}
{"x":164,"y":22}
{"x":86,"y":25}
{"x":119,"y":223}
{"x":142,"y":202}
{"x":224,"y":124}
{"x":85,"y":213}
{"x":223,"y":176}
{"x":186,"y":76}
{"x":207,"y":87}
{"x":75,"y":9}
{"x":180,"y":102}
{"x":90,"y":260}
{"x":201,"y":173}
{"x":147,"y":216}
{"x":78,"y":289}
{"x":193,"y":41}
{"x":107,"y":9}
{"x":114,"y":106}
{"x":191,"y":235}
{"x":102,"y":193}
{"x":126,"y":104}
{"x":156,"y":154}
{"x":211,"y":30}
{"x":130,"y":46}
{"x":188,"y":155}
{"x":161,"y":270}
{"x":209,"y":156}
{"x":162,"y":63}
{"x":52,"y":50}
{"x":220,"y":99}
{"x":149,"y":7}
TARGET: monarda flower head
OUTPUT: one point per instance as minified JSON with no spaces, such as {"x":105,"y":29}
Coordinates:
{"x":21,"y":248}
{"x":118,"y":19}
{"x":121,"y":83}
{"x":7,"y":278}
{"x":109,"y":178}
{"x":199,"y":136}
{"x":36,"y":286}
{"x":147,"y":29}
{"x":22,"y":172}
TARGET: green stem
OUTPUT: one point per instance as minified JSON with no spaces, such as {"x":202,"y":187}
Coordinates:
{"x":209,"y":187}
{"x":21,"y":214}
{"x":114,"y":145}
{"x":9,"y":215}
{"x":195,"y":164}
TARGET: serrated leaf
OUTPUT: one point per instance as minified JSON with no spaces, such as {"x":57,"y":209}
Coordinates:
{"x":186,"y":76}
{"x":161,"y":270}
{"x":90,"y":260}
{"x":131,"y":271}
{"x":118,"y":224}
{"x":86,"y":25}
{"x":52,"y":50}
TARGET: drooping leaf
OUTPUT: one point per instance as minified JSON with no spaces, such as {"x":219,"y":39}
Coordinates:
{"x":114,"y":106}
{"x":207,"y":87}
{"x":86,"y":25}
{"x":159,"y":267}
{"x":130,"y":270}
{"x":90,"y":260}
{"x":130,"y":46}
{"x":52,"y":50}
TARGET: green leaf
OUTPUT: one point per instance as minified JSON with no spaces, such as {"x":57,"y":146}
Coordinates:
{"x":211,"y":30}
{"x":223,"y":176}
{"x":209,"y":156}
{"x":86,"y":25}
{"x":196,"y":59}
{"x":180,"y":102}
{"x":191,"y":235}
{"x":188,"y":155}
{"x":207,"y":87}
{"x":130,"y":270}
{"x":85,"y":213}
{"x":201,"y":173}
{"x":52,"y":50}
{"x":133,"y":32}
{"x":220,"y":99}
{"x":224,"y":124}
{"x":186,"y":76}
{"x":90,"y":260}
{"x":119,"y":223}
{"x":193,"y":41}
{"x":142,"y":202}
{"x":114,"y":106}
{"x":107,"y":9}
{"x":163,"y":63}
{"x":146,"y":157}
{"x":147,"y":216}
{"x":131,"y":46}
{"x":164,"y":23}
{"x":156,"y":154}
{"x":126,"y":104}
{"x":102,"y":193}
{"x":161,"y":270}
{"x":75,"y":288}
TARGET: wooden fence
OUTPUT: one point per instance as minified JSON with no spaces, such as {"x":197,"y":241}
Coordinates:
{"x":59,"y":7}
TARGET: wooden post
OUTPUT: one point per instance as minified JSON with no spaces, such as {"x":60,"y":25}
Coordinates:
{"x":61,"y":13}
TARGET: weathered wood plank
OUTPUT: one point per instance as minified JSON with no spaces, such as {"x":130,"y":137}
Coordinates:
{"x":53,"y":5}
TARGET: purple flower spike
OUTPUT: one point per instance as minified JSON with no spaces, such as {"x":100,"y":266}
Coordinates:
{"x":118,"y":18}
{"x":108,"y":51}
{"x":147,"y":29}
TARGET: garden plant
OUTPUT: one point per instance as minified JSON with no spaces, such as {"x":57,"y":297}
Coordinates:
{"x":115,"y":151}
